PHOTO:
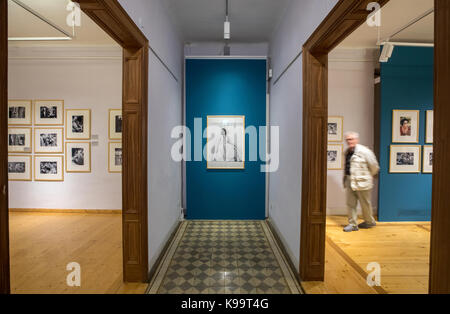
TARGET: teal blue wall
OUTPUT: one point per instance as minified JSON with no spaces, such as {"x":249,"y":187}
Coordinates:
{"x":225,"y":87}
{"x":406,"y":83}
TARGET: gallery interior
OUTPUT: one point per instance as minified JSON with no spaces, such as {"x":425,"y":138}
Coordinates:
{"x":204,"y":146}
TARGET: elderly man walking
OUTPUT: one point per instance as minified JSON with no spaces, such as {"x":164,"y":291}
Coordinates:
{"x":360,"y":167}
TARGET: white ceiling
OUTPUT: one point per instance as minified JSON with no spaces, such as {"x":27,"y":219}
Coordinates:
{"x":21,"y":23}
{"x":202,"y":20}
{"x":394,"y":15}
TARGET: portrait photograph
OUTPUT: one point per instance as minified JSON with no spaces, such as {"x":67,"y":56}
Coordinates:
{"x":430,"y":126}
{"x":78,"y":124}
{"x":335,"y":129}
{"x":19,"y":140}
{"x":49,"y":112}
{"x":78,"y":157}
{"x":115,"y":124}
{"x":19,"y":112}
{"x":335,"y":157}
{"x":405,"y":159}
{"x":405,"y":126}
{"x":19,"y":168}
{"x":225,"y":142}
{"x":115,"y":157}
{"x":48,"y":168}
{"x":48,"y":141}
{"x":427,"y":159}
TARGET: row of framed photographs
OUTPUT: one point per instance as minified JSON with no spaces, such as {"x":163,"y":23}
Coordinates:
{"x":51,"y":140}
{"x":405,"y":127}
{"x":50,"y":168}
{"x":403,"y":158}
{"x":51,"y":113}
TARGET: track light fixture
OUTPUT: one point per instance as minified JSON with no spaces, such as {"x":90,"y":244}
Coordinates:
{"x":387,"y":51}
{"x":227,"y":25}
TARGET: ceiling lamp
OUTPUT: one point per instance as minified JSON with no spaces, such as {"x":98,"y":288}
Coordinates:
{"x":227,"y":25}
{"x":387,"y":51}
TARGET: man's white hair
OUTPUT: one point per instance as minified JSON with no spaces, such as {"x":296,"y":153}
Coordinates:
{"x":352,"y":134}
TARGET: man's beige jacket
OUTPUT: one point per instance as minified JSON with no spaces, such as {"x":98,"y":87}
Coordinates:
{"x":363,"y":167}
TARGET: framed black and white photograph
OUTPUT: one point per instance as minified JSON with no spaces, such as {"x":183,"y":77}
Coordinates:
{"x":225,"y":142}
{"x":78,"y":157}
{"x":78,"y":124}
{"x":115,"y":124}
{"x":115,"y":157}
{"x":19,"y":140}
{"x":19,"y":112}
{"x":405,"y":126}
{"x":19,"y":168}
{"x":427,"y":159}
{"x":335,"y":157}
{"x":48,"y":141}
{"x":49,"y":112}
{"x":48,"y":168}
{"x":430,"y":125}
{"x":335,"y":129}
{"x":405,"y":159}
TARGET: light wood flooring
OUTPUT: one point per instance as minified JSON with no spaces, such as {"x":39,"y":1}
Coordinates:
{"x":43,"y":244}
{"x":401,"y":249}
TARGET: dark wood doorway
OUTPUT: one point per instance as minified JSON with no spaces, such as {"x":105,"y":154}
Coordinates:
{"x":113,"y":19}
{"x":346,"y":17}
{"x":4,"y":217}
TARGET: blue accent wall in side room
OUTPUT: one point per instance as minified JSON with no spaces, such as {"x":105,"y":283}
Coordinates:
{"x":225,"y":87}
{"x":406,"y":83}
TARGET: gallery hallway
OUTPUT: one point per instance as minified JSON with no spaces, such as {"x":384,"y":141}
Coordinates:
{"x":225,"y":257}
{"x":42,"y":244}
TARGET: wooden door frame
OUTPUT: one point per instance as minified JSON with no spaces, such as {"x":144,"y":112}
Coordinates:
{"x":114,"y":20}
{"x":4,"y":217}
{"x":344,"y":18}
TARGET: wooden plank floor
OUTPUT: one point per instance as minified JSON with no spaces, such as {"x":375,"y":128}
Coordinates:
{"x":401,"y":249}
{"x":43,"y":244}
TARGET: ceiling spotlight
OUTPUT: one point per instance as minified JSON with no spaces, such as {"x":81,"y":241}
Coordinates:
{"x":227,"y":25}
{"x":227,"y":29}
{"x":387,"y":51}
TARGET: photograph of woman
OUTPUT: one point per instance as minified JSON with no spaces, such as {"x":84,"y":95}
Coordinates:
{"x":405,"y":126}
{"x":224,"y":148}
{"x":226,"y":142}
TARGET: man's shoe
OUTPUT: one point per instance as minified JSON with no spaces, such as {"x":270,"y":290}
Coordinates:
{"x":350,"y":228}
{"x":366,"y":225}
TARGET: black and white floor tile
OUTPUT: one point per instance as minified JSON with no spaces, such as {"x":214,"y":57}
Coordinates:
{"x":224,"y":257}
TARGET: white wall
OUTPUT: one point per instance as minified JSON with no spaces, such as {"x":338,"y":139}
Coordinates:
{"x":165,"y":90}
{"x":96,"y":84}
{"x":301,"y":18}
{"x":351,"y":95}
{"x":216,"y":49}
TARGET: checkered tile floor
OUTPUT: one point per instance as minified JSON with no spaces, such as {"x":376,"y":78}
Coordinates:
{"x":224,"y":257}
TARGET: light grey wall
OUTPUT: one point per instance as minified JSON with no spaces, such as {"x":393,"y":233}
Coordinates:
{"x":216,"y":49}
{"x":301,"y":18}
{"x":85,"y":78}
{"x":164,"y":174}
{"x":152,"y":17}
{"x":165,"y":90}
{"x":350,"y":95}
